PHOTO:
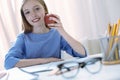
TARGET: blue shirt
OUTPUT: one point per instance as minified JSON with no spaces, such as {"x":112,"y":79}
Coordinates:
{"x":31,"y":45}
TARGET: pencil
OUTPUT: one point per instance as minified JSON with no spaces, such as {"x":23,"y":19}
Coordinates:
{"x":116,"y":54}
{"x":111,"y":41}
{"x":109,"y":29}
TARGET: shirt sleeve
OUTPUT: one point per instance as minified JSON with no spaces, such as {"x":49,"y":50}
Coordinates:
{"x":66,"y":47}
{"x":15,"y":53}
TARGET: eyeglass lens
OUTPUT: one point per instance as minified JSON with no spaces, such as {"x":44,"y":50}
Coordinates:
{"x":70,"y":70}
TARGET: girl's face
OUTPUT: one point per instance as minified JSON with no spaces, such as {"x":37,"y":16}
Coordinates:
{"x":34,"y":12}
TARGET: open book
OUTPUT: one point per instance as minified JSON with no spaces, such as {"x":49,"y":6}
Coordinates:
{"x":17,"y":74}
{"x":53,"y":65}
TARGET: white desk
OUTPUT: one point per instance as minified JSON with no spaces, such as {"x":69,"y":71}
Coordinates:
{"x":108,"y":72}
{"x":111,"y":72}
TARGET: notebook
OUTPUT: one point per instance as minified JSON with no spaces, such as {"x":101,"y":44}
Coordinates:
{"x":17,"y":74}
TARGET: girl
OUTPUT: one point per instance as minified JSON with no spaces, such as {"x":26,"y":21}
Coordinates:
{"x":40,"y":42}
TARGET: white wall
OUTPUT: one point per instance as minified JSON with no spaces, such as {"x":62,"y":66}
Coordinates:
{"x":86,"y":19}
{"x":113,"y":7}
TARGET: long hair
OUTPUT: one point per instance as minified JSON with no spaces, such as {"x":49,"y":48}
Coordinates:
{"x":26,"y":27}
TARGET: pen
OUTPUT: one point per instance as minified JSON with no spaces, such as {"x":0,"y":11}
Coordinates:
{"x":116,"y":56}
{"x":111,"y":40}
{"x":112,"y":51}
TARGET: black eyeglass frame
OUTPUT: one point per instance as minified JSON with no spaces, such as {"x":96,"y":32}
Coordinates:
{"x":81,"y":65}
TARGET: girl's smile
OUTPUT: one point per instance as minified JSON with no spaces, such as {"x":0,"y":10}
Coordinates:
{"x":36,"y":20}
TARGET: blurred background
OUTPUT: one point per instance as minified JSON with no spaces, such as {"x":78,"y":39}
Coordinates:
{"x":84,"y":20}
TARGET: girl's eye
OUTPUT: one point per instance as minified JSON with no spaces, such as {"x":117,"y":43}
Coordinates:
{"x":27,"y":12}
{"x":37,"y":9}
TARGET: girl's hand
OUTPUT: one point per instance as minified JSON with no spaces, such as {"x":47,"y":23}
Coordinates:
{"x":57,"y":24}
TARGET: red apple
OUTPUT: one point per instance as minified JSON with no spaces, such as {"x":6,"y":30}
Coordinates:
{"x":47,"y":20}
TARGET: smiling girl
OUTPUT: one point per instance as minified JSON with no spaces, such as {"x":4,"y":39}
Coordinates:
{"x":40,"y":43}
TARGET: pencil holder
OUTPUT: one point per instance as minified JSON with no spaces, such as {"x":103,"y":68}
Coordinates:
{"x":111,"y":50}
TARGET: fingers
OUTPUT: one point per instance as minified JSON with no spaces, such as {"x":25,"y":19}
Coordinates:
{"x":54,"y":25}
{"x":55,"y":19}
{"x":57,"y":22}
{"x":54,"y":15}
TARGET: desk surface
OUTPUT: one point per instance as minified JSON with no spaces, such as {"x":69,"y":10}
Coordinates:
{"x":108,"y":72}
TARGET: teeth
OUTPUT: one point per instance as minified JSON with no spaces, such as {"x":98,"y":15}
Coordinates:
{"x":35,"y":20}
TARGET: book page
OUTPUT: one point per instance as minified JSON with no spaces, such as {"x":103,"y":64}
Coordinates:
{"x":17,"y":74}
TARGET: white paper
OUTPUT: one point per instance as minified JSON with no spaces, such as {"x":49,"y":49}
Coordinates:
{"x":17,"y":74}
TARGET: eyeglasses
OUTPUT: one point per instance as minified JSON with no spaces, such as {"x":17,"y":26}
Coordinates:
{"x":71,"y":68}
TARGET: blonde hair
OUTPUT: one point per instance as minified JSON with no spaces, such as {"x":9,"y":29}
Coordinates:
{"x":26,"y":27}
